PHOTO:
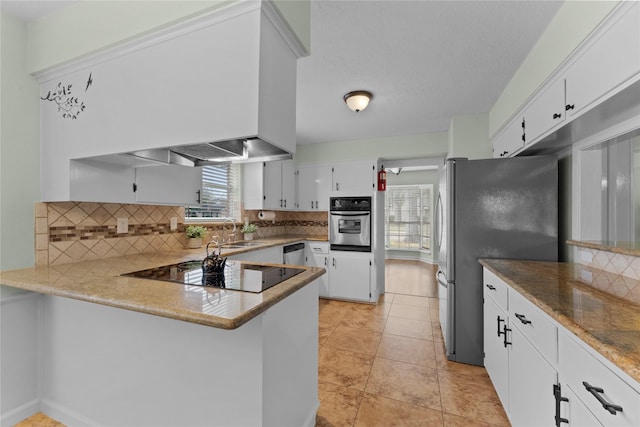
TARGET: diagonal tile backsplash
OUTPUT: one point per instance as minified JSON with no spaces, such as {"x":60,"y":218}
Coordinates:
{"x":79,"y":231}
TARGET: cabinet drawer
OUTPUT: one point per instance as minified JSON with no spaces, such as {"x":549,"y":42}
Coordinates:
{"x":534,"y":325}
{"x":495,"y":288}
{"x":578,"y":365}
{"x":318,"y":247}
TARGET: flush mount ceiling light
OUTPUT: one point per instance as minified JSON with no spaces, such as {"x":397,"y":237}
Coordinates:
{"x":358,"y":100}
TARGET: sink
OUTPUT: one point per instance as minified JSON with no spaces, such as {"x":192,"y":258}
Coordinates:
{"x":238,"y":245}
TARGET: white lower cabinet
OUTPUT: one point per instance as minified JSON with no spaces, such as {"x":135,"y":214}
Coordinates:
{"x":317,"y":255}
{"x":350,"y":275}
{"x":574,"y":412}
{"x":496,"y":354}
{"x":547,"y":375}
{"x":607,"y":396}
{"x":531,"y":381}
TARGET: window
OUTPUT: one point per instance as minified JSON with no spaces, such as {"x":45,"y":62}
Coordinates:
{"x":220,"y":196}
{"x":408,"y":217}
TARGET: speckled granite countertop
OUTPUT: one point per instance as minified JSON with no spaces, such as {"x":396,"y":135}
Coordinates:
{"x":100,"y":282}
{"x":609,"y":324}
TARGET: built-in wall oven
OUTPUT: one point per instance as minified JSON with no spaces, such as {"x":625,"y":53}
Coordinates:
{"x":350,"y":224}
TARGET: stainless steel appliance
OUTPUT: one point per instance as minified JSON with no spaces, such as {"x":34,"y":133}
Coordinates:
{"x":493,"y":208}
{"x":237,"y":276}
{"x":350,"y":224}
{"x":293,"y":254}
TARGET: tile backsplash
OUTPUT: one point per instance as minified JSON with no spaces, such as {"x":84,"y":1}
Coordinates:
{"x":79,"y":231}
{"x":614,"y":273}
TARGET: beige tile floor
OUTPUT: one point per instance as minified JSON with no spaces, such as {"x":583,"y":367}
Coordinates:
{"x":385,"y":365}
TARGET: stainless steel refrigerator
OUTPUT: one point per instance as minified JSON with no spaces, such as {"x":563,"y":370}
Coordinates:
{"x":493,"y":208}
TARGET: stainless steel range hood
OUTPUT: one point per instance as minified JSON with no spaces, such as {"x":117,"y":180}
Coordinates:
{"x":243,"y":150}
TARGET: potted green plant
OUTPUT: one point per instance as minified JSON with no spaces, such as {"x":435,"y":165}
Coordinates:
{"x":248,"y":230}
{"x":195,"y":233}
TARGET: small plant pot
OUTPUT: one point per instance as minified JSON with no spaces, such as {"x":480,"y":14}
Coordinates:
{"x":194,"y":243}
{"x":248,"y":236}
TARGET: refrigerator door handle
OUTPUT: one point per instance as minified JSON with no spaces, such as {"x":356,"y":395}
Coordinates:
{"x":439,"y":214}
{"x":451,"y":298}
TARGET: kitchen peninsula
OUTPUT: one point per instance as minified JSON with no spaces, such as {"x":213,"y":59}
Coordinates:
{"x":118,"y":350}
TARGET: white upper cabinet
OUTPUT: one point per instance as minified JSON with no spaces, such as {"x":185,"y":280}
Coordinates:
{"x":544,"y":112}
{"x":226,"y":76}
{"x":269,"y":185}
{"x":355,"y":178}
{"x":169,"y":184}
{"x":607,"y":62}
{"x":103,"y":179}
{"x":510,"y":140}
{"x":314,"y":185}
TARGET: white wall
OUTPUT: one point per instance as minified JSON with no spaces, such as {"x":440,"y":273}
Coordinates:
{"x":19,"y":149}
{"x":397,"y":147}
{"x":469,"y":137}
{"x":19,"y":190}
{"x":571,"y":25}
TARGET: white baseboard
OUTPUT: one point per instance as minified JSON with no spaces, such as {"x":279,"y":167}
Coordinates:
{"x":18,"y":414}
{"x":64,"y":415}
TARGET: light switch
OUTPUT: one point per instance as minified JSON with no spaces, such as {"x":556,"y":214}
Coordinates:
{"x":123,"y":225}
{"x":174,"y":223}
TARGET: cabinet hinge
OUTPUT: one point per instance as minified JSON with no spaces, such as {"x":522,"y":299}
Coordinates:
{"x":264,"y":197}
{"x":135,"y":187}
{"x":332,"y":170}
{"x":370,"y":262}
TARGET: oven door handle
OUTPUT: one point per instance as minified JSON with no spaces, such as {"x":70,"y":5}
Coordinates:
{"x":342,"y":213}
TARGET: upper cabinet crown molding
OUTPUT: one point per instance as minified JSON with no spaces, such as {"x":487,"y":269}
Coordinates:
{"x":197,"y":23}
{"x":585,"y":80}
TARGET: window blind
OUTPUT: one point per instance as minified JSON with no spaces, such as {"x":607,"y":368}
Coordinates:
{"x":220,"y":194}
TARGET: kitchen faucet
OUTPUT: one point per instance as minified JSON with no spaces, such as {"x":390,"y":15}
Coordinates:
{"x":224,"y":235}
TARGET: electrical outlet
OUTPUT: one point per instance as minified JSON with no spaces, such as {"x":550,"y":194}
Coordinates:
{"x":123,"y":225}
{"x":174,"y":223}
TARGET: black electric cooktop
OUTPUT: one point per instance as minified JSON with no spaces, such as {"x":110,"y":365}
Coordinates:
{"x":237,"y":276}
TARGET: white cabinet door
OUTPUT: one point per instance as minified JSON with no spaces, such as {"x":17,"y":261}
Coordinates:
{"x":252,"y":186}
{"x":545,"y":112}
{"x":496,"y":355}
{"x":269,"y":185}
{"x":317,"y":255}
{"x":321,"y":260}
{"x":575,"y":412}
{"x":288,"y":184}
{"x":314,"y":185}
{"x":170,"y":184}
{"x":272,"y":185}
{"x":354,"y":178}
{"x":350,"y":276}
{"x":531,"y":380}
{"x":610,"y":61}
{"x":97,"y":181}
{"x":509,"y":140}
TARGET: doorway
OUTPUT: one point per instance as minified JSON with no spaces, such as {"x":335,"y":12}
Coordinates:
{"x":410,"y":253}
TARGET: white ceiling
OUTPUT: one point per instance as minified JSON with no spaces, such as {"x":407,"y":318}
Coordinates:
{"x":424,"y":61}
